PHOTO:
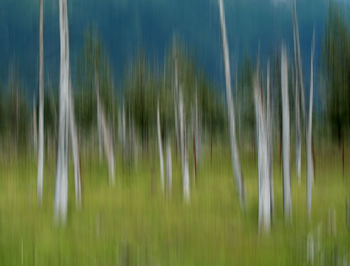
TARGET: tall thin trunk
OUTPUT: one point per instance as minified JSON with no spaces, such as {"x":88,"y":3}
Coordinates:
{"x":297,"y":109}
{"x":169,"y":171}
{"x":176,"y":96}
{"x":104,"y":133}
{"x":160,"y":146}
{"x":263,"y":158}
{"x":99,"y":126}
{"x":287,"y":198}
{"x":269,"y":135}
{"x":41,"y":106}
{"x":35,"y":126}
{"x":61,"y":193}
{"x":309,"y":134}
{"x":234,"y":150}
{"x":183,"y":150}
{"x":75,"y":150}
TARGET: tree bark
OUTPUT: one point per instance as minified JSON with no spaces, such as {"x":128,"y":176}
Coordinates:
{"x":287,"y":198}
{"x":160,"y":146}
{"x":41,"y":106}
{"x":183,"y":150}
{"x":234,"y":150}
{"x":169,"y":171}
{"x":263,"y":159}
{"x":310,"y":169}
{"x":61,"y":193}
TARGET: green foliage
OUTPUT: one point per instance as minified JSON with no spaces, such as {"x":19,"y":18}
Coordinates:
{"x":93,"y":63}
{"x":336,"y":63}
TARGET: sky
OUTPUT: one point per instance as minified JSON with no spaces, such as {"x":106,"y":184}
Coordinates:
{"x":127,"y":26}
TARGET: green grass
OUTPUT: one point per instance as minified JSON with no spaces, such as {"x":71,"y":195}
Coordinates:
{"x":133,"y":223}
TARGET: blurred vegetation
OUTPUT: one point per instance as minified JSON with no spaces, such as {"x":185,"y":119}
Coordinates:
{"x":336,"y":66}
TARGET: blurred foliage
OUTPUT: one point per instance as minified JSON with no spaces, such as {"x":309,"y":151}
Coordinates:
{"x":336,"y":64}
{"x":93,"y":63}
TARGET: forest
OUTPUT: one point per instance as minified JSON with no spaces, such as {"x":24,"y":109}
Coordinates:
{"x":175,"y":168}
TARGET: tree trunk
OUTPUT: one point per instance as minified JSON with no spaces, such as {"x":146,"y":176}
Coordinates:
{"x":234,"y":150}
{"x":41,"y":106}
{"x":287,"y":198}
{"x":263,"y":159}
{"x":61,"y":192}
{"x":183,"y":150}
{"x":269,"y":137}
{"x":297,"y":112}
{"x":75,"y":149}
{"x":160,"y":146}
{"x":309,"y":135}
{"x":169,"y":171}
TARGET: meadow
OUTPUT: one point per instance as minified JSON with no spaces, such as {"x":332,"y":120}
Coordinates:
{"x":135,"y":223}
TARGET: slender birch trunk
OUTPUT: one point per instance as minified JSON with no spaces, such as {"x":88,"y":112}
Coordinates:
{"x":234,"y":150}
{"x":297,"y":110}
{"x":41,"y":106}
{"x":160,"y":146}
{"x":183,"y":150}
{"x":269,"y":135}
{"x":61,"y":193}
{"x":104,"y":133}
{"x":310,"y":173}
{"x":176,"y":96}
{"x":35,"y":126}
{"x":169,"y":171}
{"x":108,"y":147}
{"x":263,"y":158}
{"x":75,"y":150}
{"x":287,"y":198}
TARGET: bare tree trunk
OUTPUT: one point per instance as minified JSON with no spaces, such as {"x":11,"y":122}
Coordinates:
{"x":41,"y":106}
{"x":108,"y":146}
{"x":161,"y":159}
{"x":297,"y":110}
{"x":309,"y":134}
{"x":287,"y":198}
{"x":35,"y":127}
{"x":75,"y":149}
{"x":105,"y":132}
{"x":263,"y":159}
{"x":234,"y":150}
{"x":61,"y":193}
{"x":169,"y":171}
{"x":176,"y":96}
{"x":183,"y":150}
{"x":269,"y":136}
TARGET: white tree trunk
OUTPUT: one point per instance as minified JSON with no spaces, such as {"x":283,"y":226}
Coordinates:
{"x":104,"y":133}
{"x":99,"y":126}
{"x":297,"y":98}
{"x":269,"y":136}
{"x":169,"y":171}
{"x":234,"y":150}
{"x":263,"y":159}
{"x":176,"y":99}
{"x":310,"y":169}
{"x":61,"y":193}
{"x":287,"y":198}
{"x":108,"y":147}
{"x":183,"y":150}
{"x":75,"y":150}
{"x":160,"y":146}
{"x":41,"y":106}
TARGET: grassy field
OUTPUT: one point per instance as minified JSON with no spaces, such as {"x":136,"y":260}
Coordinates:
{"x":133,"y":223}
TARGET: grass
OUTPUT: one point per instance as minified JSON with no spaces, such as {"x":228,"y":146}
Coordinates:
{"x":133,"y":223}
